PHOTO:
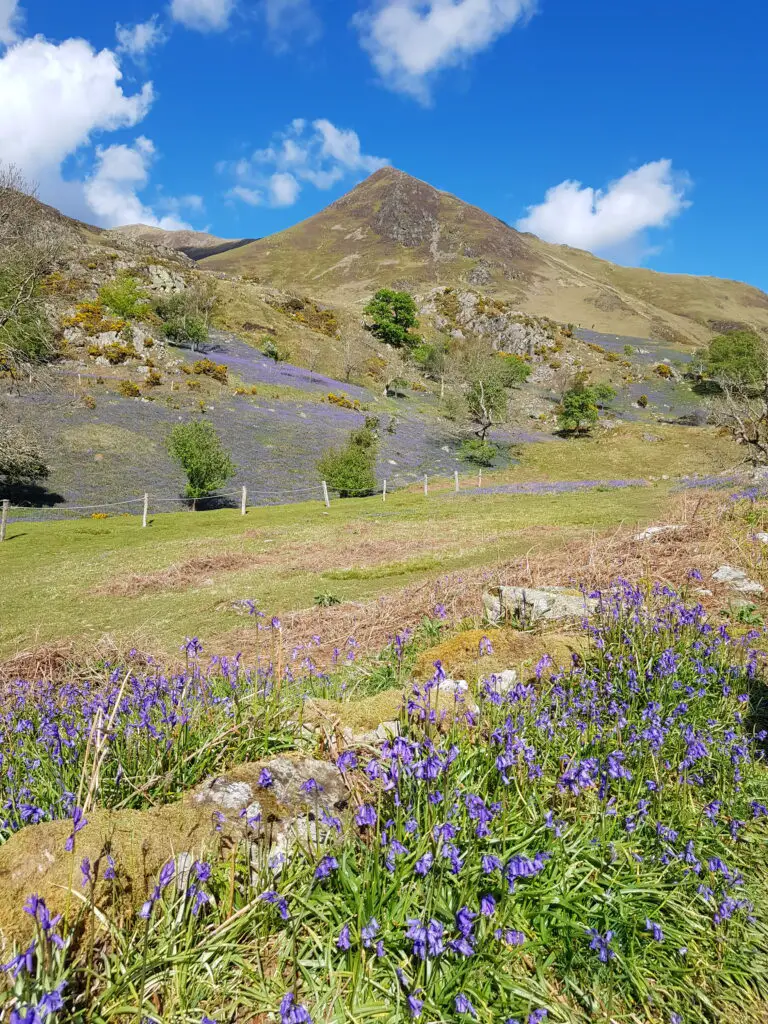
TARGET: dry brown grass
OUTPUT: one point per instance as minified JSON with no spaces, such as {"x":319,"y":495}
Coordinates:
{"x":709,"y":538}
{"x":179,"y":575}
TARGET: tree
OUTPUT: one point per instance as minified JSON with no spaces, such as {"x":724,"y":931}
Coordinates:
{"x":580,"y":405}
{"x":31,"y":243}
{"x":739,"y":358}
{"x":124,"y":296}
{"x":351,"y":470}
{"x":393,"y":318}
{"x":187,"y":315}
{"x":22,"y":460}
{"x":486,"y":390}
{"x":482,"y":453}
{"x":735,"y":365}
{"x":198,"y":449}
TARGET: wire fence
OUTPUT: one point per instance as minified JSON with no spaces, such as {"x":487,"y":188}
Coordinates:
{"x":148,"y":504}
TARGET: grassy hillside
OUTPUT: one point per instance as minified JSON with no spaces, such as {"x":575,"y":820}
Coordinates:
{"x":395,"y":230}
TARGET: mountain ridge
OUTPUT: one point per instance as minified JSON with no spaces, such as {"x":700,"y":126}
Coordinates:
{"x":395,"y":230}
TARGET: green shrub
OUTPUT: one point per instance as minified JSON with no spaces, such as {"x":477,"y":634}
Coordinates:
{"x":393,"y":318}
{"x":207,"y":368}
{"x":482,"y":453}
{"x":579,"y":406}
{"x":351,"y":470}
{"x":128,"y":389}
{"x":198,"y":449}
{"x":124,"y":296}
{"x":270,"y":350}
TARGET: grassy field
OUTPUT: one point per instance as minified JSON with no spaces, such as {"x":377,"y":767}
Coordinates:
{"x":86,"y":578}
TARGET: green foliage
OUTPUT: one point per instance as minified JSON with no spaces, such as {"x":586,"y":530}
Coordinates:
{"x":513,"y":370}
{"x":270,"y":350}
{"x":326,"y":600}
{"x":430,"y":358}
{"x":580,"y":406}
{"x":124,"y":296}
{"x":198,"y":450}
{"x":351,"y":470}
{"x":26,"y":335}
{"x":481,"y":453}
{"x":183,"y":323}
{"x":739,"y":358}
{"x":22,"y":459}
{"x":393,"y":318}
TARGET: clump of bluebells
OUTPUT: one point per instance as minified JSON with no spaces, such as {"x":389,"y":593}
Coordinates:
{"x":592,"y":837}
{"x":152,"y":726}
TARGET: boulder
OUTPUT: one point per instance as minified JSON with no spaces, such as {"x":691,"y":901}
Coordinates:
{"x":737,"y":580}
{"x":654,"y":531}
{"x":165,"y":281}
{"x":505,"y":650}
{"x":210,"y":818}
{"x":528,"y":605}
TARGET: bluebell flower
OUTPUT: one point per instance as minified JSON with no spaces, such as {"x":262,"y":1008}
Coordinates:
{"x":343,"y":942}
{"x":326,"y":866}
{"x":463,"y":1005}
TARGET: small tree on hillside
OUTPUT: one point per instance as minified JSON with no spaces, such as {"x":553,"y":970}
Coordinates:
{"x":124,"y":296}
{"x":22,"y":460}
{"x":32,"y":241}
{"x":198,"y":449}
{"x":351,"y":470}
{"x":735,"y":368}
{"x":580,"y":405}
{"x":393,"y":318}
{"x":487,"y":387}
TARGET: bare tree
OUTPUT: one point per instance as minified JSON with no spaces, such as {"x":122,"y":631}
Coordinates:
{"x":735,"y":372}
{"x":744,"y":412}
{"x":31,"y":242}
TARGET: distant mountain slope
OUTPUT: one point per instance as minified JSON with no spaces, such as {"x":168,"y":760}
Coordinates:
{"x":195,"y":244}
{"x":393,"y":229}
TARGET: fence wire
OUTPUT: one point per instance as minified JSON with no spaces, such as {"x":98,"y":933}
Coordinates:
{"x":437,"y":486}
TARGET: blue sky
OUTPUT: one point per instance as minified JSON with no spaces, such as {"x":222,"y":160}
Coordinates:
{"x":260,"y":112}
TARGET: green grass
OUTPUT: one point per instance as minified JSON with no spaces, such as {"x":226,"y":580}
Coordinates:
{"x":357,"y":549}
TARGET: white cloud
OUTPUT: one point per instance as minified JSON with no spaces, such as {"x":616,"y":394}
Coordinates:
{"x":112,"y":189}
{"x":283,"y":189}
{"x":251,"y":196}
{"x":10,"y":22}
{"x":601,"y":219}
{"x":291,"y":20}
{"x":203,"y":15}
{"x":318,"y":153}
{"x":138,"y":40}
{"x":54,"y":100}
{"x":409,"y":41}
{"x":55,"y":97}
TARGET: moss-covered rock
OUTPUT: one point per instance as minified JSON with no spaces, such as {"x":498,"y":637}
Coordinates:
{"x":461,"y":657}
{"x":208,"y":820}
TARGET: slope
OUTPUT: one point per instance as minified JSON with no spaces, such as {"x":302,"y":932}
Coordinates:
{"x":393,"y":229}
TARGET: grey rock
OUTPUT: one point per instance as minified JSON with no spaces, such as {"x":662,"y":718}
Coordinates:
{"x":165,"y":281}
{"x":290,"y":775}
{"x":529,"y":605}
{"x":737,"y":580}
{"x":761,"y":537}
{"x":224,"y":794}
{"x":654,"y":531}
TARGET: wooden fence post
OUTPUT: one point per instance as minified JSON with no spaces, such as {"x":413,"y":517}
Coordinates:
{"x":146,"y":511}
{"x":479,"y":478}
{"x":456,"y":479}
{"x":4,"y":518}
{"x":384,"y":492}
{"x":426,"y":485}
{"x":243,"y":501}
{"x":326,"y":499}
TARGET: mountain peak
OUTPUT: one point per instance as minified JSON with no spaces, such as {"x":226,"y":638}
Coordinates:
{"x":394,"y":230}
